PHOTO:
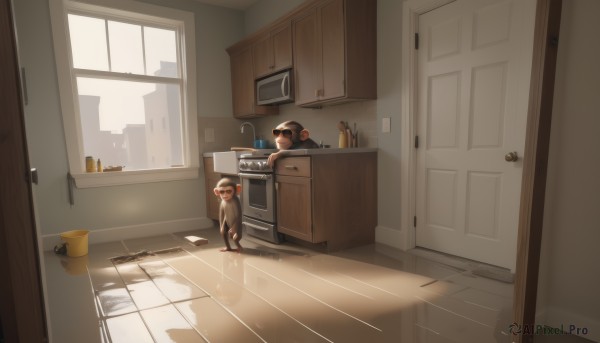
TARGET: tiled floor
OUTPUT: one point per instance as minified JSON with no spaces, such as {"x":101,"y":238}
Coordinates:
{"x":269,"y":293}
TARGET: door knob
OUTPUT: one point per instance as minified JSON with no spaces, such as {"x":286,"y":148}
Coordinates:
{"x":511,"y":156}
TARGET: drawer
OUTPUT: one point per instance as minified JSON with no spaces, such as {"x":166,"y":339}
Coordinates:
{"x":293,"y":166}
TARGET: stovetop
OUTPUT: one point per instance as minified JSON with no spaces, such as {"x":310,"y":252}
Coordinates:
{"x":255,"y":164}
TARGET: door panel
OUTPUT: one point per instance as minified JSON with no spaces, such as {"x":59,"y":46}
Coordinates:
{"x":307,"y":58}
{"x":332,"y":30}
{"x":282,"y":47}
{"x":294,"y":201}
{"x":474,"y":63}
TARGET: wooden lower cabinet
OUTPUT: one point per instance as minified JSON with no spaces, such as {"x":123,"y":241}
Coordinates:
{"x":328,"y":199}
{"x":294,"y":206}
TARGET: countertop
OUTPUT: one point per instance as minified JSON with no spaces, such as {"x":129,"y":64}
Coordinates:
{"x":304,"y":152}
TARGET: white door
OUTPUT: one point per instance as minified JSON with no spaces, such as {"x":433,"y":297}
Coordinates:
{"x":474,"y":65}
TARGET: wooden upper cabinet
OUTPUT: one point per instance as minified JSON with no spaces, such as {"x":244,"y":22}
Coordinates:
{"x":332,"y":39}
{"x":331,"y":46}
{"x":307,"y":61}
{"x":242,"y":83}
{"x":273,"y":51}
{"x":243,"y":88}
{"x":335,"y":45}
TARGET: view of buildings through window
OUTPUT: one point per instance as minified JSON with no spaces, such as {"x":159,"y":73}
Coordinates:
{"x":129,"y":92}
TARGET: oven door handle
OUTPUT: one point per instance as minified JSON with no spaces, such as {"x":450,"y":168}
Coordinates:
{"x":255,"y":176}
{"x":254,"y":226}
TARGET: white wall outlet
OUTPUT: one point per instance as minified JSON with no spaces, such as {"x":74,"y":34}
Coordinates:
{"x":209,"y":135}
{"x":386,"y":125}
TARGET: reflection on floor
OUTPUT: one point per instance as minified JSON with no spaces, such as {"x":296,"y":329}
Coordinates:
{"x":268,"y":293}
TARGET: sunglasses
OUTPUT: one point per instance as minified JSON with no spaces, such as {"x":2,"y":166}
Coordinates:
{"x":223,"y":191}
{"x":286,"y":132}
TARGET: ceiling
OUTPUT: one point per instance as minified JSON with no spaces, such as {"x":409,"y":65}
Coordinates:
{"x":235,"y":4}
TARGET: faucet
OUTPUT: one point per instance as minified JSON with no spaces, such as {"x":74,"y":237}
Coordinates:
{"x":253,"y":130}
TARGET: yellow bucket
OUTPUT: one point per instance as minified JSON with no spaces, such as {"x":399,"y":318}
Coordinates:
{"x":77,"y":242}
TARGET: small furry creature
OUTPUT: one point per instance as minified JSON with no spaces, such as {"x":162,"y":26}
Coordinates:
{"x":230,"y":213}
{"x":290,"y":135}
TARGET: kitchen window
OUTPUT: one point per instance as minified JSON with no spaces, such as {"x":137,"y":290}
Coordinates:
{"x":126,"y":75}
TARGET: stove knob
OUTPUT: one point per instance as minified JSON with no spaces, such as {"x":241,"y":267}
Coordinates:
{"x":243,"y":165}
{"x":254,"y":166}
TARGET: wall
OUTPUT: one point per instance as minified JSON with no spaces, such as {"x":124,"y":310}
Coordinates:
{"x":569,"y":278}
{"x":266,"y":11}
{"x":136,"y":209}
{"x":322,"y":123}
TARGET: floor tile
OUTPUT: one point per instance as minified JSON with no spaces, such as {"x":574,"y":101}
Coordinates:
{"x":167,"y":324}
{"x":215,"y":323}
{"x":128,"y":328}
{"x":172,"y":284}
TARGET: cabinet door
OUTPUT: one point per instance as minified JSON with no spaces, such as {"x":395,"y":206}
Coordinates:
{"x":294,"y":206}
{"x":242,"y":87}
{"x":263,"y":56}
{"x":332,"y":33}
{"x":307,"y":58}
{"x":282,"y":47}
{"x":242,"y":83}
{"x":273,"y":52}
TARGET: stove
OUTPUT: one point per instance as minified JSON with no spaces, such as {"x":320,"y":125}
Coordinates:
{"x":258,"y":198}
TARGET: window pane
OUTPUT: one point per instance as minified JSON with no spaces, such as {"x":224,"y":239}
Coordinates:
{"x":161,"y":52}
{"x":88,"y":42}
{"x":131,"y":124}
{"x":125,"y":48}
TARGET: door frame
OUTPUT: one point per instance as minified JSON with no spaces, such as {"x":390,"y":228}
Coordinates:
{"x":535,"y":160}
{"x":411,"y":11}
{"x":22,"y":305}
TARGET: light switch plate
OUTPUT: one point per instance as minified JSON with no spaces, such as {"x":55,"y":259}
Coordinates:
{"x":386,"y":126}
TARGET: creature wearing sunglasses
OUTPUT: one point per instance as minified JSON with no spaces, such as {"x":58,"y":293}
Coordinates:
{"x":230,"y":212}
{"x":290,"y":135}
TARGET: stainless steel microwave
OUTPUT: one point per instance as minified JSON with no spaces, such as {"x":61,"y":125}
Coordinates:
{"x":275,"y":89}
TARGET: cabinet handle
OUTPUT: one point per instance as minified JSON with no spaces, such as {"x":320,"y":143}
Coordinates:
{"x":291,"y":167}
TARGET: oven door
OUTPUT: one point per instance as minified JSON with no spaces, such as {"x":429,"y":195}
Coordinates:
{"x":258,"y":196}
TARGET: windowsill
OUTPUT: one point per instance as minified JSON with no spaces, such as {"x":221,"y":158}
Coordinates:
{"x":117,"y":178}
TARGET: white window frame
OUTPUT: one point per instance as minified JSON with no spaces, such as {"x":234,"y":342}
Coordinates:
{"x":184,"y":21}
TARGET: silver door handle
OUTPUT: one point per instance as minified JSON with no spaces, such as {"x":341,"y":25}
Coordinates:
{"x":34,"y":175}
{"x":255,"y":176}
{"x":511,"y":156}
{"x":254,"y":226}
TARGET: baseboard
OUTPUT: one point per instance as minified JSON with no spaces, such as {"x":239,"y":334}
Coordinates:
{"x":557,"y":318}
{"x":134,"y":231}
{"x":392,"y":237}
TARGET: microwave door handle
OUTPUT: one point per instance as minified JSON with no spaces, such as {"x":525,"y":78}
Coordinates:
{"x":283,"y":83}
